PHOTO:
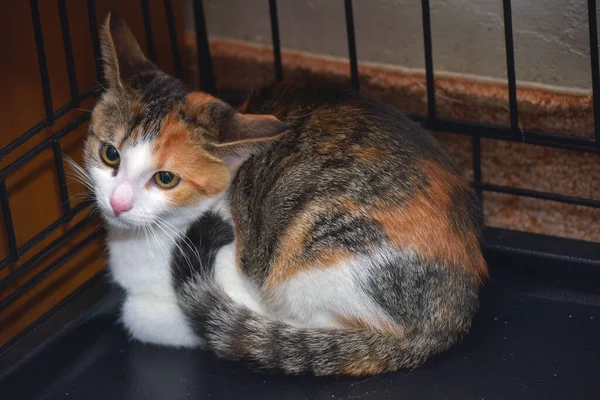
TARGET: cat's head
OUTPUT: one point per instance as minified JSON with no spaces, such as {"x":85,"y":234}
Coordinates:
{"x":157,"y":150}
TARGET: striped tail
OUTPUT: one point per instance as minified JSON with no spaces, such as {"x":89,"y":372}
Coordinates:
{"x":236,"y":333}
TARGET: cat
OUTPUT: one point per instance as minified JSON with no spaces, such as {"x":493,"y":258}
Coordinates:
{"x":315,"y":231}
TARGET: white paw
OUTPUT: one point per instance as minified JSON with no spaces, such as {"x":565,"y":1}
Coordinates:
{"x":157,"y":320}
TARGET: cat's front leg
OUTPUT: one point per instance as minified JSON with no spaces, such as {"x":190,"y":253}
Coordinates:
{"x":158,"y":320}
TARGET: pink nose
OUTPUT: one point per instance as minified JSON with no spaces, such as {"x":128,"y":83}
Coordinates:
{"x":121,"y":199}
{"x":119,"y":206}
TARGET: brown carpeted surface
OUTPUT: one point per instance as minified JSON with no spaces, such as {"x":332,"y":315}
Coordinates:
{"x":241,"y":66}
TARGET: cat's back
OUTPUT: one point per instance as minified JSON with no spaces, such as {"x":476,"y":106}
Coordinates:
{"x":334,"y":117}
{"x":353,"y":174}
{"x":343,"y":144}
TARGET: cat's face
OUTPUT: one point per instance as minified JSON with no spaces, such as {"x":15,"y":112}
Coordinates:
{"x":156,"y":151}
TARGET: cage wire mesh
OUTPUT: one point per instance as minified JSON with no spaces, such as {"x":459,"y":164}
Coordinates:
{"x":430,"y":121}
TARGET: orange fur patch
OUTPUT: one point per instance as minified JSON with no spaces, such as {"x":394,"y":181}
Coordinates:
{"x":198,"y":99}
{"x":329,"y":147}
{"x":370,"y":155}
{"x":201,"y":174}
{"x":423,"y":225}
{"x":381,"y":326}
{"x":368,"y":365}
{"x":290,"y":259}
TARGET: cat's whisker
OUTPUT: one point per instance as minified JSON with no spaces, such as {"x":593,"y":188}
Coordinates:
{"x":156,"y":223}
{"x":95,"y":80}
{"x":177,"y":245}
{"x":78,"y":198}
{"x":163,"y":244}
{"x":181,"y":235}
{"x":78,"y":174}
{"x":74,"y":164}
{"x":75,"y":181}
{"x":83,"y":180}
{"x":151,"y":235}
{"x":93,"y":210}
{"x":147,"y":233}
{"x":139,"y":231}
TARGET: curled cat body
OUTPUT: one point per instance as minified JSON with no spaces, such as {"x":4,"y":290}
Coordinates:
{"x":315,"y":231}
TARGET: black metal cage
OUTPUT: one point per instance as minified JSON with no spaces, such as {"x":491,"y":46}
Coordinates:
{"x":506,"y":242}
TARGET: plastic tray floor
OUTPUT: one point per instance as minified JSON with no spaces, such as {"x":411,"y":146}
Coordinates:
{"x":527,"y":342}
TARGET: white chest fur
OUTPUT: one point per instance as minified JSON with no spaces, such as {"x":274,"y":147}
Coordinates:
{"x":140,"y":263}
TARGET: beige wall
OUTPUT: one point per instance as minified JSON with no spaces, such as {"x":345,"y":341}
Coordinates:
{"x":551,"y":36}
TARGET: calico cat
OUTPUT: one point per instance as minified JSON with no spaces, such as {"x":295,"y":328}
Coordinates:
{"x":317,"y":231}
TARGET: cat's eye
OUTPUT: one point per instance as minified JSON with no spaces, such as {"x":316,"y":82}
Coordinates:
{"x":110,"y":156}
{"x":166,"y":179}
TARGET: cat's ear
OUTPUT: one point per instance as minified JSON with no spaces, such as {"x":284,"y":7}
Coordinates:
{"x":238,"y":136}
{"x":121,"y":54}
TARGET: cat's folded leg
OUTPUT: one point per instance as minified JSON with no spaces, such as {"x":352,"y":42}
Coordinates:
{"x":234,"y":282}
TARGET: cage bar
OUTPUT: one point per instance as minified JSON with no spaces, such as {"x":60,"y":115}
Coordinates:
{"x":205,"y":69}
{"x":173,"y":39}
{"x":578,"y":201}
{"x":148,"y":30}
{"x":510,"y":67}
{"x":42,"y":146}
{"x":351,"y":44}
{"x":62,"y":180}
{"x":91,"y":6}
{"x":21,"y":290}
{"x":47,"y":250}
{"x":593,"y":28}
{"x":275,"y":38}
{"x":28,"y":134}
{"x":37,"y":128}
{"x":68,"y":46}
{"x":41,"y":56}
{"x":44,"y":233}
{"x":556,"y":140}
{"x":431,"y":112}
{"x":8,"y":224}
{"x":56,"y":308}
